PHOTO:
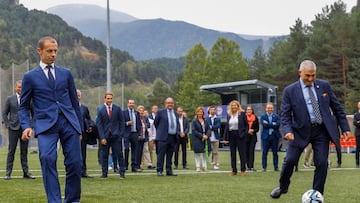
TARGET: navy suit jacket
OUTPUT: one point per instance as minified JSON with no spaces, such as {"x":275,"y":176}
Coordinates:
{"x":214,"y":127}
{"x":127,"y":118}
{"x":109,"y":127}
{"x":10,"y":113}
{"x":86,"y":119}
{"x":47,"y":102}
{"x":266,"y":126}
{"x":295,"y":117}
{"x":242,"y":126}
{"x":162,"y":125}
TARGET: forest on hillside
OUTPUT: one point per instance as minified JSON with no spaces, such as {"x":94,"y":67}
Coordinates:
{"x":332,"y":40}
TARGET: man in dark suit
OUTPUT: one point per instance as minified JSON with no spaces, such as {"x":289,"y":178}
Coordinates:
{"x":356,"y":122}
{"x":183,"y":139}
{"x":110,"y":126}
{"x":132,"y":130}
{"x":11,"y":120}
{"x":86,"y":120}
{"x":57,"y":115}
{"x":306,"y":118}
{"x":167,"y":131}
{"x":270,"y":135}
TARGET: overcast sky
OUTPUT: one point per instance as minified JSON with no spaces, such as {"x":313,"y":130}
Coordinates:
{"x":255,"y":17}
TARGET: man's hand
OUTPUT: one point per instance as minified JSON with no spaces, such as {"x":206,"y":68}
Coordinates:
{"x":182,"y":135}
{"x":346,"y":135}
{"x":289,"y":136}
{"x":103,"y":141}
{"x":26,"y":134}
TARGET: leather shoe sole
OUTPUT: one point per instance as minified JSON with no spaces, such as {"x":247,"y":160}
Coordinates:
{"x":277,"y":192}
{"x":171,"y":174}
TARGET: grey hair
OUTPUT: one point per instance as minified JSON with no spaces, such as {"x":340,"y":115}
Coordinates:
{"x":307,"y":64}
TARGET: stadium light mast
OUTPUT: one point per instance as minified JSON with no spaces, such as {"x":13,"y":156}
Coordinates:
{"x":108,"y":63}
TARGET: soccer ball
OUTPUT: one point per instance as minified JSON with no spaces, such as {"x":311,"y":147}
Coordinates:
{"x":312,"y":196}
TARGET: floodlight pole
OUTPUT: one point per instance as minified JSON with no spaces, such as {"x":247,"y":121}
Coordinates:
{"x":108,"y":63}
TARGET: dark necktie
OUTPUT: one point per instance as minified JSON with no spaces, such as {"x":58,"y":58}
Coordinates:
{"x":51,"y":77}
{"x":110,"y":112}
{"x":315,"y":106}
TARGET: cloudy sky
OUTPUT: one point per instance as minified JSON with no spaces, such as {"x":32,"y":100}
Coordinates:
{"x":255,"y":17}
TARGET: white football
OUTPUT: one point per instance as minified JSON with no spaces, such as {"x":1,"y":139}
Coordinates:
{"x":312,"y":196}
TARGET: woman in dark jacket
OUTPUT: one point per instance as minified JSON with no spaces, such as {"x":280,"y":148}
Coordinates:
{"x":251,"y":137}
{"x":200,"y":129}
{"x":236,"y":129}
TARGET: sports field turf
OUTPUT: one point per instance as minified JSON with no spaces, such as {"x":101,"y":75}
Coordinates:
{"x":189,"y":186}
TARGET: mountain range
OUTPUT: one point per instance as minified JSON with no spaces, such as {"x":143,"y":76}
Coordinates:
{"x":151,"y":38}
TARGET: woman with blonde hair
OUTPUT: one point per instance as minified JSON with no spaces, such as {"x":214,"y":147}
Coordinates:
{"x":200,"y":129}
{"x":236,"y":129}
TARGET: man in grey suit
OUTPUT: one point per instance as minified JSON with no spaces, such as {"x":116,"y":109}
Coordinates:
{"x":11,"y":120}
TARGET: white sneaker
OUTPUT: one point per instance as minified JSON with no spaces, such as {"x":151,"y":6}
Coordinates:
{"x":197,"y":169}
{"x":216,"y":167}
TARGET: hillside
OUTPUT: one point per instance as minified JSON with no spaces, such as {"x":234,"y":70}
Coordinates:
{"x":156,"y":38}
{"x":20,"y":29}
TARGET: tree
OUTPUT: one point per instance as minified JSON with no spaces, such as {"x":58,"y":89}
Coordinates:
{"x":161,"y":91}
{"x":225,"y":63}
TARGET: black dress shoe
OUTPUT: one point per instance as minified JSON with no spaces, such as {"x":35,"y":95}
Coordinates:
{"x":86,"y":176}
{"x":136,"y":170}
{"x":160,"y":174}
{"x":175,"y":167}
{"x":276,"y":193}
{"x":7,"y":177}
{"x":28,"y":176}
{"x":122,"y":176}
{"x":151,"y":167}
{"x":103,"y":176}
{"x":171,"y":174}
{"x":185,"y":167}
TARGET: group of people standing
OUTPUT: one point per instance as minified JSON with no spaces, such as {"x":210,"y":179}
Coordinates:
{"x":241,"y":133}
{"x":49,"y":108}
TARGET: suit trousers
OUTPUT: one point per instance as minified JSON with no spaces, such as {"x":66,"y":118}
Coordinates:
{"x":139,"y":152}
{"x":273,"y":142}
{"x":181,"y":142}
{"x":250,"y":150}
{"x":165,"y":148}
{"x":319,"y":139}
{"x":83,"y":155}
{"x":235,"y":142}
{"x":116,"y":147}
{"x":130,"y":146}
{"x":70,"y":141}
{"x":357,"y":151}
{"x":14,"y":137}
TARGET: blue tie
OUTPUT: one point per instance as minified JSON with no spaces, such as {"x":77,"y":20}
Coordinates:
{"x":51,"y":77}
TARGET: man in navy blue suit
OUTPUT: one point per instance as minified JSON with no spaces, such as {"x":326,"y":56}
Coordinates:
{"x":306,"y":118}
{"x":132,"y":124}
{"x":167,"y":132}
{"x":109,"y":122}
{"x":270,"y":135}
{"x":52,"y":91}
